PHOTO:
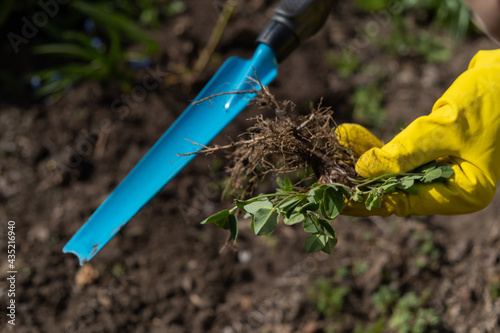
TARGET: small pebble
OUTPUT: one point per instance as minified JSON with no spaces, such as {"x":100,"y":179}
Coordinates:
{"x":244,"y":256}
{"x":86,"y":275}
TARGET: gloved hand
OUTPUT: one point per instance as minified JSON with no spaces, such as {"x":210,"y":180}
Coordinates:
{"x":463,"y":131}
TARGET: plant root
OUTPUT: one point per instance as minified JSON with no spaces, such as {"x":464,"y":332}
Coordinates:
{"x":286,"y":144}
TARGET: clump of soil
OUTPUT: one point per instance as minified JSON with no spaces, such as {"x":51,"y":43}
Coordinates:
{"x":286,"y":144}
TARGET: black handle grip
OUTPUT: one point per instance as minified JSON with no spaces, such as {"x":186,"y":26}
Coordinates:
{"x":293,"y":22}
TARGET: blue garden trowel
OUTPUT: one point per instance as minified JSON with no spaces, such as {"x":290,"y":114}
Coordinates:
{"x":293,"y":22}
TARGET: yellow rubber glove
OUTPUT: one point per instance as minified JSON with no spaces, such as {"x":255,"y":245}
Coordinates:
{"x":463,"y":131}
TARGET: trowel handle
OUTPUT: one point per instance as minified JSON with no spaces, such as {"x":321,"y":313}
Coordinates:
{"x":293,"y":22}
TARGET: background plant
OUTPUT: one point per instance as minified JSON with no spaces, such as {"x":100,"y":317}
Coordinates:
{"x":102,"y":41}
{"x":396,"y":311}
{"x":99,"y":54}
{"x":327,"y":298}
{"x":451,"y":15}
{"x":368,"y":105}
{"x":423,"y":30}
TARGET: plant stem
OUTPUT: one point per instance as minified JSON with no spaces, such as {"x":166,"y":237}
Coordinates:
{"x":366,"y":181}
{"x":227,"y":11}
{"x":292,"y":195}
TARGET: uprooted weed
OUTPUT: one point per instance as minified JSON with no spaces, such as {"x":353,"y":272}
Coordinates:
{"x":287,"y":144}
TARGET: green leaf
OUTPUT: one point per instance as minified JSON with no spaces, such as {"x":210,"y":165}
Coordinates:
{"x":53,"y":87}
{"x":346,"y":191}
{"x":287,"y":208}
{"x":426,"y":167}
{"x":311,"y":206}
{"x":315,"y":195}
{"x":253,"y":207}
{"x":265,"y":221}
{"x":294,"y":219}
{"x":357,"y":195}
{"x":390,"y":180}
{"x":115,"y":53}
{"x":447,"y":171}
{"x":316,"y":242}
{"x":68,"y":49}
{"x":432,"y":175}
{"x":373,"y":200}
{"x":406,"y":183}
{"x":333,"y":203}
{"x":310,"y":225}
{"x":114,"y":21}
{"x":77,"y":36}
{"x":330,"y":244}
{"x":327,"y":228}
{"x":233,"y":226}
{"x":388,"y":188}
{"x":242,"y":203}
{"x":412,"y":189}
{"x":219,"y":218}
{"x":285,"y":185}
{"x":280,"y":182}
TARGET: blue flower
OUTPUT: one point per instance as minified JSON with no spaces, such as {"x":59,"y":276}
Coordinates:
{"x":35,"y":81}
{"x":97,"y":43}
{"x":140,"y":63}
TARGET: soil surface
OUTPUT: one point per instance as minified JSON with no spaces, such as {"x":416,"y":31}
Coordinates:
{"x":164,"y":272}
